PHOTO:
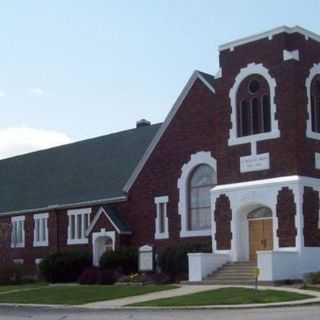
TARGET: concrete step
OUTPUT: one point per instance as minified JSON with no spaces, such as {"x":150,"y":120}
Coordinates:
{"x":229,"y":282}
{"x":238,"y":273}
{"x":233,"y":276}
{"x":238,"y":269}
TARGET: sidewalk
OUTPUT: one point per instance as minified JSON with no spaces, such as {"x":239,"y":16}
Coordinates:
{"x":189,"y":289}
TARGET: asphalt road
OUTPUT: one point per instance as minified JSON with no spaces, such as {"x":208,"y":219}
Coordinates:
{"x":293,"y":313}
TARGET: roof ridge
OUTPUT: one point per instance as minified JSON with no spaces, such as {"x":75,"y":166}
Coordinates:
{"x":76,"y":142}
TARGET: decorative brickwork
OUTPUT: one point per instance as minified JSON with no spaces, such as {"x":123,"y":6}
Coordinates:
{"x":223,"y":217}
{"x":286,"y":211}
{"x":311,"y":229}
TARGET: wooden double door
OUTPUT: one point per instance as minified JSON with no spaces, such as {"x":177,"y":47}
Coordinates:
{"x":260,"y":236}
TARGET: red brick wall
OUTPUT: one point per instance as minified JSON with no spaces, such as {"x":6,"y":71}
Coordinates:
{"x":311,"y":230}
{"x":286,"y":211}
{"x":223,"y":216}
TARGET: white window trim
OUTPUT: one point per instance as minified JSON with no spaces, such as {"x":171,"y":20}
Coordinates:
{"x":196,"y":159}
{"x":18,"y":261}
{"x":161,"y":235}
{"x":250,"y":69}
{"x":76,"y":212}
{"x":14,"y":220}
{"x":314,"y":71}
{"x":40,"y":216}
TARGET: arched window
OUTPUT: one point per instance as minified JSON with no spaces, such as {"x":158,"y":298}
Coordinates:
{"x":315,"y":104}
{"x":253,"y":106}
{"x":201,"y":180}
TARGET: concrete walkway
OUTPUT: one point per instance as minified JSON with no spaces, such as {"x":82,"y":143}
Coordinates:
{"x":189,"y":289}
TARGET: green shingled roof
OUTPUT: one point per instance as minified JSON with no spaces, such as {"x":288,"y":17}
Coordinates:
{"x":88,"y":170}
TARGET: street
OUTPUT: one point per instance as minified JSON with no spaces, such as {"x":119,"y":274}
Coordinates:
{"x":293,"y":313}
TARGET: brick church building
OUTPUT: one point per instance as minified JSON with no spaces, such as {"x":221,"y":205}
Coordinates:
{"x":236,"y":162}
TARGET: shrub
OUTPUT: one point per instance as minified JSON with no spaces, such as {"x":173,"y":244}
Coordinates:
{"x":174,"y":260}
{"x":123,"y":260}
{"x":95,"y":275}
{"x":64,"y":266}
{"x":313,"y":278}
{"x":10,"y":273}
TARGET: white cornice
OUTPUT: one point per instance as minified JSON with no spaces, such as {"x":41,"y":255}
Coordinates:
{"x":269,"y":34}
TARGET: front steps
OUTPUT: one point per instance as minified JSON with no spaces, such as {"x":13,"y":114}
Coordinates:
{"x":234,"y":273}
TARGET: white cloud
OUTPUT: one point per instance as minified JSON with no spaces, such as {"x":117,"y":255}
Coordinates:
{"x":35,"y":92}
{"x":20,"y":140}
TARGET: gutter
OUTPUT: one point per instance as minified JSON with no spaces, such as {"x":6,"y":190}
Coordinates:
{"x":66,"y":206}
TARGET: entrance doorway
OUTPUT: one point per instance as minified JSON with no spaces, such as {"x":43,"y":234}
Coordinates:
{"x":260,"y":231}
{"x":102,"y":241}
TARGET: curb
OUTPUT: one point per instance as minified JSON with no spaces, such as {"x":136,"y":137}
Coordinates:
{"x":292,"y":304}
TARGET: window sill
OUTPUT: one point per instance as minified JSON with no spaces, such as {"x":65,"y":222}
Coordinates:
{"x":16,"y":246}
{"x":234,"y":140}
{"x":195,"y":233}
{"x":41,"y":244}
{"x":77,"y":241}
{"x":161,"y":236}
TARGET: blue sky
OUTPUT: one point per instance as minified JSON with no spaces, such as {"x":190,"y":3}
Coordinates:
{"x":86,"y":68}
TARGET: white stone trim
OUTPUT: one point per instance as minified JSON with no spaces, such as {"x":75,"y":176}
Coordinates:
{"x":270,"y":34}
{"x":196,"y":159}
{"x":18,"y":261}
{"x":161,"y":235}
{"x":40,"y":216}
{"x":95,"y":237}
{"x":314,"y":71}
{"x":13,"y":221}
{"x":245,"y":196}
{"x":251,"y":69}
{"x":291,"y":55}
{"x":76,"y":212}
{"x":195,"y":76}
{"x":96,"y":218}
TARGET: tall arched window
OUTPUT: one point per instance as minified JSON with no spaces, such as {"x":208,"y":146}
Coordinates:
{"x":253,"y":106}
{"x":201,"y":180}
{"x":315,"y":104}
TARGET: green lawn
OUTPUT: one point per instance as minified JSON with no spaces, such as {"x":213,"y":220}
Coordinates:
{"x":226,"y":296}
{"x":73,"y":295}
{"x":21,"y":287}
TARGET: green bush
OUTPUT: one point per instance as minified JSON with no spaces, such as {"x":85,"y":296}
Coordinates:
{"x":174,"y":260}
{"x":64,"y":266}
{"x":11,"y":273}
{"x":123,"y":260}
{"x":313,"y":278}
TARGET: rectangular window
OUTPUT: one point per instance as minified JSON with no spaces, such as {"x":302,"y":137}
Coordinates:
{"x":40,"y":232}
{"x":161,"y":222}
{"x":17,"y":232}
{"x":79,"y":220}
{"x":266,"y":113}
{"x":245,"y":119}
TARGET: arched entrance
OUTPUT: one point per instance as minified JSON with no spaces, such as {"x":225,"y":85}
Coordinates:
{"x":260,"y":231}
{"x":254,"y":231}
{"x":102,"y":241}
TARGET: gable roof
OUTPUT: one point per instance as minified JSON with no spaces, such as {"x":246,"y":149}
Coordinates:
{"x":208,"y":81}
{"x":112,"y":214}
{"x":89,"y":171}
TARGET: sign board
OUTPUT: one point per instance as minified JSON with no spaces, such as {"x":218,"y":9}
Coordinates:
{"x":146,"y":258}
{"x":255,"y":162}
